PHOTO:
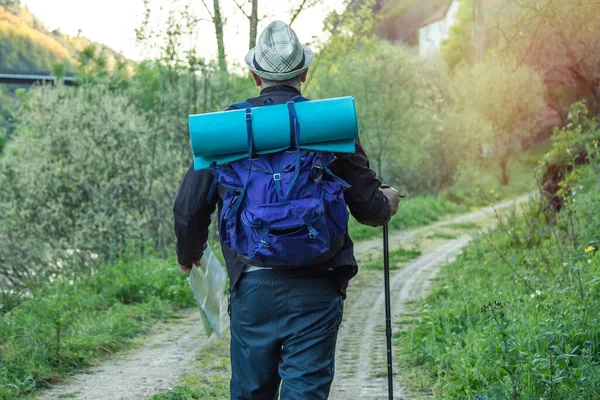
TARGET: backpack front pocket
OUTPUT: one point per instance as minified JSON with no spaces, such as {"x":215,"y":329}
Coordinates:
{"x":286,"y":234}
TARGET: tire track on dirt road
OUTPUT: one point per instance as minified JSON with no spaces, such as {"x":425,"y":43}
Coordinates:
{"x":402,"y":236}
{"x":406,"y":285}
{"x":157,"y":364}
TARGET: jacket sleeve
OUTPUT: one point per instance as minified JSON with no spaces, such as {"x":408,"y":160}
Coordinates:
{"x":366,"y":202}
{"x":192,"y":212}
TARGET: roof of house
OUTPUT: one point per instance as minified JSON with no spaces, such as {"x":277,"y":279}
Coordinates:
{"x":404,"y":27}
{"x":437,"y":15}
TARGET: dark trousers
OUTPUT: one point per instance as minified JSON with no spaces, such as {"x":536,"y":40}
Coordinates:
{"x":284,"y":328}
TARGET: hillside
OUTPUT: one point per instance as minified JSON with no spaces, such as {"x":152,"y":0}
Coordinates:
{"x":26,"y":45}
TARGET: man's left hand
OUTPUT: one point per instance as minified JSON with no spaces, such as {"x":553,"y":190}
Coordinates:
{"x":185,"y":268}
{"x":188,"y":268}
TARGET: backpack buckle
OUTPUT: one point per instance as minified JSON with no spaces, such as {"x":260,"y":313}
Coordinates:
{"x":316,"y":173}
{"x":277,"y":177}
{"x":248,"y":115}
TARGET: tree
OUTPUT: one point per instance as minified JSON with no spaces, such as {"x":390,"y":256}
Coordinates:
{"x":458,"y":47}
{"x":218,"y":22}
{"x":349,"y":31}
{"x":415,"y":133}
{"x":297,"y":7}
{"x":559,"y":38}
{"x":304,"y":5}
{"x":507,"y":95}
{"x":406,"y":128}
{"x":252,"y":19}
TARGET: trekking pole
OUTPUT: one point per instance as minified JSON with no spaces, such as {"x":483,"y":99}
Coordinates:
{"x":388,"y":312}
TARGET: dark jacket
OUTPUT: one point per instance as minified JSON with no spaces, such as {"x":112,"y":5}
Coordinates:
{"x":193,"y":209}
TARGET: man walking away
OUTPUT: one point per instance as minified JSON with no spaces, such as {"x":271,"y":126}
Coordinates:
{"x":284,"y":321}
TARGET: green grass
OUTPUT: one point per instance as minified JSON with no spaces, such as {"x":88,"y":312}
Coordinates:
{"x":65,"y":326}
{"x":210,"y":379}
{"x":516,"y":316}
{"x":397,"y":258}
{"x":442,"y":235}
{"x":464,"y":226}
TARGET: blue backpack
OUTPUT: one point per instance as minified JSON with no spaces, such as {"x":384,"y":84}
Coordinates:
{"x":285,"y":209}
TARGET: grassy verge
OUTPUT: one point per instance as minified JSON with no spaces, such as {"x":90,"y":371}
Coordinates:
{"x":68,"y":325}
{"x":516,"y":316}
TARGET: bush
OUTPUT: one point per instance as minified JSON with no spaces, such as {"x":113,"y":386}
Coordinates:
{"x":84,"y":177}
{"x":92,"y":172}
{"x":505,"y":95}
{"x":408,"y":124}
{"x":573,"y":145}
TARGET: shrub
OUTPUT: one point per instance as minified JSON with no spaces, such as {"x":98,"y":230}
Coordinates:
{"x":84,"y":178}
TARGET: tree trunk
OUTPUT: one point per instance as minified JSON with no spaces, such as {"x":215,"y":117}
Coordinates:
{"x":253,"y":24}
{"x":504,"y":168}
{"x":218,"y":21}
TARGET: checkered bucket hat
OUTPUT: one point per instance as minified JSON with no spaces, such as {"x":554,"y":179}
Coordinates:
{"x":279,"y":55}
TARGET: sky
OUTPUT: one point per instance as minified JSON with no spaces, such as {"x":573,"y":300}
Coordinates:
{"x":113,"y":22}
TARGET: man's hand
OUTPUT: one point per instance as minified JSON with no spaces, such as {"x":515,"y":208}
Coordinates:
{"x":188,"y":268}
{"x":393,"y":196}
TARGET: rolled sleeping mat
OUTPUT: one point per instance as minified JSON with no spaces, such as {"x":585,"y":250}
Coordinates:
{"x":222,"y":137}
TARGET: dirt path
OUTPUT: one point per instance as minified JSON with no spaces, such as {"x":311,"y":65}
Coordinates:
{"x":163,"y":357}
{"x":363,"y":374}
{"x":361,"y":358}
{"x":154,"y":367}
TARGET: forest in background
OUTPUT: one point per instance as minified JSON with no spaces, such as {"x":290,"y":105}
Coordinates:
{"x":88,"y":175}
{"x":93,"y":170}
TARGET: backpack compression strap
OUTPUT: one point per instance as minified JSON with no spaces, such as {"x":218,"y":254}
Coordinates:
{"x":294,"y":143}
{"x":248,"y":106}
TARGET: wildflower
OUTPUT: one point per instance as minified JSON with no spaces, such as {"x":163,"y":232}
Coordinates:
{"x":538,"y":292}
{"x":589,"y":249}
{"x":533,"y":295}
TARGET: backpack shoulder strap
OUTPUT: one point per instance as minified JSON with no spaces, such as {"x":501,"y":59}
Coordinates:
{"x":299,"y":99}
{"x":248,"y":104}
{"x":242,"y":105}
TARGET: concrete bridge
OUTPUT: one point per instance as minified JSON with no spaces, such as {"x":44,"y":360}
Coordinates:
{"x":22,"y":79}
